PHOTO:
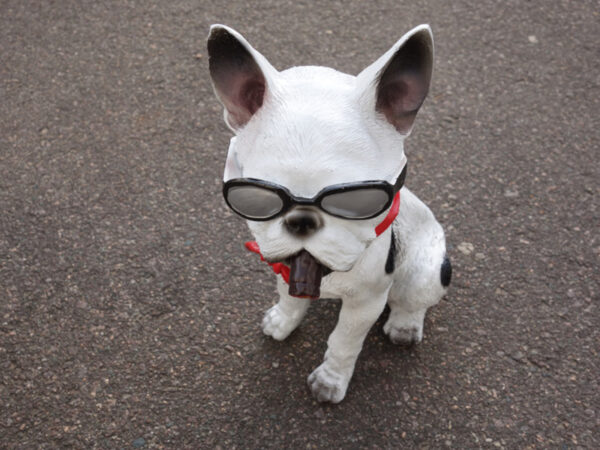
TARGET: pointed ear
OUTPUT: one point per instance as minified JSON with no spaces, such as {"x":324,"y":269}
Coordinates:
{"x":240,"y":75}
{"x":397,"y":83}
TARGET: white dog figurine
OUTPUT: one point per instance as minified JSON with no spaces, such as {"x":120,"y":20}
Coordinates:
{"x":317,"y":167}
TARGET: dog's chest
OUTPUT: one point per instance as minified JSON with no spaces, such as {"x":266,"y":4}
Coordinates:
{"x":333,"y":286}
{"x":368,"y":274}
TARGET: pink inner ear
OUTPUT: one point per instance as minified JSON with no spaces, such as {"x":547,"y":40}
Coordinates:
{"x":252,"y":95}
{"x":243,"y":95}
{"x":399,"y":100}
{"x":404,"y":82}
{"x":237,"y":77}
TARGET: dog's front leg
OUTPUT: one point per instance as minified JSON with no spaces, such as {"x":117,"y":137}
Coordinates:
{"x":283,"y":318}
{"x":329,"y":381}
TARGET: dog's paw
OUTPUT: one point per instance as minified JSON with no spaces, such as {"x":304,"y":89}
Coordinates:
{"x":404,"y":336}
{"x":278,"y":324}
{"x":328,"y":385}
{"x":405,"y":329}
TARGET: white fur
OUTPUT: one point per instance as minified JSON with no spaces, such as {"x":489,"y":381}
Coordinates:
{"x":318,"y":127}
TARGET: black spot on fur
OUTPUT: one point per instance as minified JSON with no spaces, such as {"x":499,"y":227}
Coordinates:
{"x":446,"y":272}
{"x":389,"y":263}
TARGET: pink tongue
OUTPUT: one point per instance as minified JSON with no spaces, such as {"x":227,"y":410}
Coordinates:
{"x":305,"y":276}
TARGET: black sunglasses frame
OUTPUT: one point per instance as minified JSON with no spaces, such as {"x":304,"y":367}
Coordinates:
{"x":289,"y":200}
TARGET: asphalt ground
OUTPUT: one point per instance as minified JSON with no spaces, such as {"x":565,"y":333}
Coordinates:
{"x":130,"y":312}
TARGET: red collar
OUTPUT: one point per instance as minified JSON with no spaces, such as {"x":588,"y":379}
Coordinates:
{"x":278,"y":268}
{"x":284,"y":271}
{"x":391,"y":215}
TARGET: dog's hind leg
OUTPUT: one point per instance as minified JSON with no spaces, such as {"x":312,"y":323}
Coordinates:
{"x":409,"y":300}
{"x":420,"y":277}
{"x":283,"y":318}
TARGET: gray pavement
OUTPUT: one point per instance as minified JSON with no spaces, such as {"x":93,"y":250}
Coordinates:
{"x":130,"y":312}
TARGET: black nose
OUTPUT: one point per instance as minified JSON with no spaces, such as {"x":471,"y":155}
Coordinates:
{"x":302,"y":222}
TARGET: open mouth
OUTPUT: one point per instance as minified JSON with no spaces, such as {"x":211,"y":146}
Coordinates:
{"x":305,"y":275}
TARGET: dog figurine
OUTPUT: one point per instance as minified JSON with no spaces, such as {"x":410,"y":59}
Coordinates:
{"x":317,"y":167}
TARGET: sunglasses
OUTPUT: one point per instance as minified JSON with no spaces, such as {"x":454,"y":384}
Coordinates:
{"x":261,"y":200}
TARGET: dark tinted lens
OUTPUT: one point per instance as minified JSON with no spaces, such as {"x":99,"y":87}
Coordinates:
{"x":357,"y":204}
{"x":254,"y":202}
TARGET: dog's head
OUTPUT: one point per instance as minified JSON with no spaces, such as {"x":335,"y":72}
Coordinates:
{"x":308,"y":128}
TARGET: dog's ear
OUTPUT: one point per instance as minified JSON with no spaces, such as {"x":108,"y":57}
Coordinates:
{"x":397,"y":83}
{"x":240,"y":75}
